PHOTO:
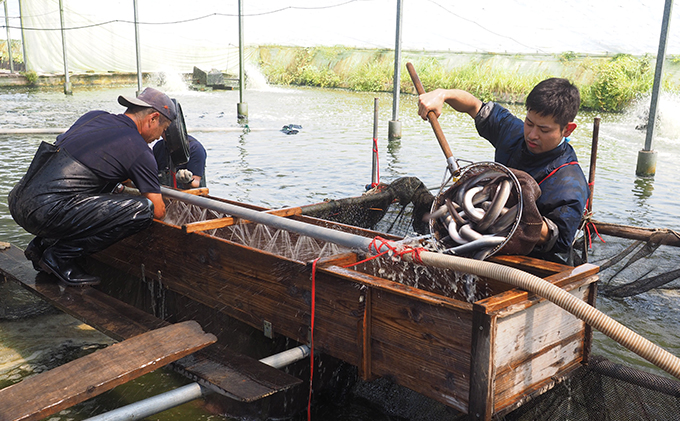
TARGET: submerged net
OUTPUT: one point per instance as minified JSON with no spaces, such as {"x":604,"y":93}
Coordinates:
{"x":605,"y":391}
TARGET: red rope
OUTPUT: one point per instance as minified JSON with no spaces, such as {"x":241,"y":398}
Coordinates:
{"x":311,"y":341}
{"x":590,"y":240}
{"x":555,"y":170}
{"x":414,"y":251}
{"x":589,"y":222}
{"x":377,"y":162}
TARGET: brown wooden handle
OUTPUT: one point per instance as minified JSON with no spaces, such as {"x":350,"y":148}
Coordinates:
{"x":431,"y":116}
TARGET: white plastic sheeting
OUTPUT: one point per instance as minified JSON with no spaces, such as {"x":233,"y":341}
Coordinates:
{"x":178,"y":34}
{"x":100,"y":36}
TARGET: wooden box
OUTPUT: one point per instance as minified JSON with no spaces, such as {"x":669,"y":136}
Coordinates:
{"x":411,"y":324}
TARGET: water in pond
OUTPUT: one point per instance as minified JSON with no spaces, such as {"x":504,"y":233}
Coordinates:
{"x":330,"y":158}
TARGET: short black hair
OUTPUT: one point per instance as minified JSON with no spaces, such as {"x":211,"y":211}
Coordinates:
{"x":556,"y":97}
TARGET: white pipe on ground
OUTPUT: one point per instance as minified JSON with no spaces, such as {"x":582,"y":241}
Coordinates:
{"x":60,"y":130}
{"x":189,"y":392}
{"x":285,"y":358}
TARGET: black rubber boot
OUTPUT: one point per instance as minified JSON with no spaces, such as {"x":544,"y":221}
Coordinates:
{"x":34,"y":252}
{"x":67,"y":271}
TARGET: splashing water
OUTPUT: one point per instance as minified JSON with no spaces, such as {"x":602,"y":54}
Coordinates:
{"x":255,"y":79}
{"x":303,"y":248}
{"x":668,"y":116}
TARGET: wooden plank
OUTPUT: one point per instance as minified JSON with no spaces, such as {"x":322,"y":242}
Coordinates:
{"x":246,"y":381}
{"x":399,"y":288}
{"x":540,"y":268}
{"x":234,"y":375}
{"x":111,"y":317}
{"x":572,"y":277}
{"x":366,"y":332}
{"x":228,"y":221}
{"x":209,"y":224}
{"x":422,"y":346}
{"x":482,"y":369}
{"x":533,"y":345}
{"x":588,"y":341}
{"x":199,"y":191}
{"x":662,"y":236}
{"x":39,"y":396}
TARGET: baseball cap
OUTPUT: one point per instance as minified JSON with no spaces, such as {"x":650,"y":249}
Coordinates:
{"x":152,"y":98}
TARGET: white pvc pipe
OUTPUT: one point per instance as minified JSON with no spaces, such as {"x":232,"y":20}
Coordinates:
{"x":60,"y":130}
{"x":285,"y":358}
{"x":154,"y":405}
{"x":188,"y":393}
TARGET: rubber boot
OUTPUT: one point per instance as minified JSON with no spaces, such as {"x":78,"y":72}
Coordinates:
{"x":34,"y":252}
{"x":66,"y":270}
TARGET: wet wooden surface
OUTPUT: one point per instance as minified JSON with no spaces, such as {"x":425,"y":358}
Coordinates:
{"x":39,"y":396}
{"x":236,"y":376}
{"x":661,"y":236}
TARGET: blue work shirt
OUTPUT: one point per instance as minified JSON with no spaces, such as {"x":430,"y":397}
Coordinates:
{"x":110,"y":145}
{"x":563,"y":194}
{"x":196,"y":163}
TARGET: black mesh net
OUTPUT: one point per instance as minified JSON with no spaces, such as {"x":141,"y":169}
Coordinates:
{"x":605,"y":391}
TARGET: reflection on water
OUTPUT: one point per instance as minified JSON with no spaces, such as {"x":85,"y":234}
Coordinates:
{"x":330,"y":158}
{"x":643,"y":189}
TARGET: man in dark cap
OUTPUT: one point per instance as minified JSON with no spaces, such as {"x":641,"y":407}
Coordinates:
{"x":66,"y":198}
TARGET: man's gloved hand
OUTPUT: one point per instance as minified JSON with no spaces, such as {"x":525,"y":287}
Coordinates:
{"x":184,"y":176}
{"x":528,"y":233}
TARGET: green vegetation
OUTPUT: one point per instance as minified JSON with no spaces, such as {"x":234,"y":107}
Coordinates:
{"x":606,"y":83}
{"x":303,"y":71}
{"x":567,"y":56}
{"x":486,"y":82}
{"x":31,"y":76}
{"x":618,"y":82}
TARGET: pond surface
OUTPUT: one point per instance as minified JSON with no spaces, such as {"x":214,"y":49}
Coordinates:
{"x":330,"y":158}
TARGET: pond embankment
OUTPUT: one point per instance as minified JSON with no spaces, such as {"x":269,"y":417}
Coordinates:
{"x":607,"y":83}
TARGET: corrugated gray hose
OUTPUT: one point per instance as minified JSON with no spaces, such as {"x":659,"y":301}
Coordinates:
{"x":584,"y":311}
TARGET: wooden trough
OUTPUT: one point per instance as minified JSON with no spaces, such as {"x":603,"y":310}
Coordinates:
{"x":476,"y":345}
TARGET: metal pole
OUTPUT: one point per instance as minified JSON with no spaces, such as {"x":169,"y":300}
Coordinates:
{"x":374,"y":172}
{"x":241,"y":107}
{"x":137,"y":50}
{"x":9,"y":42}
{"x":23,"y":38}
{"x":646,"y":164}
{"x":67,"y":83}
{"x":352,"y":241}
{"x":394,"y":128}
